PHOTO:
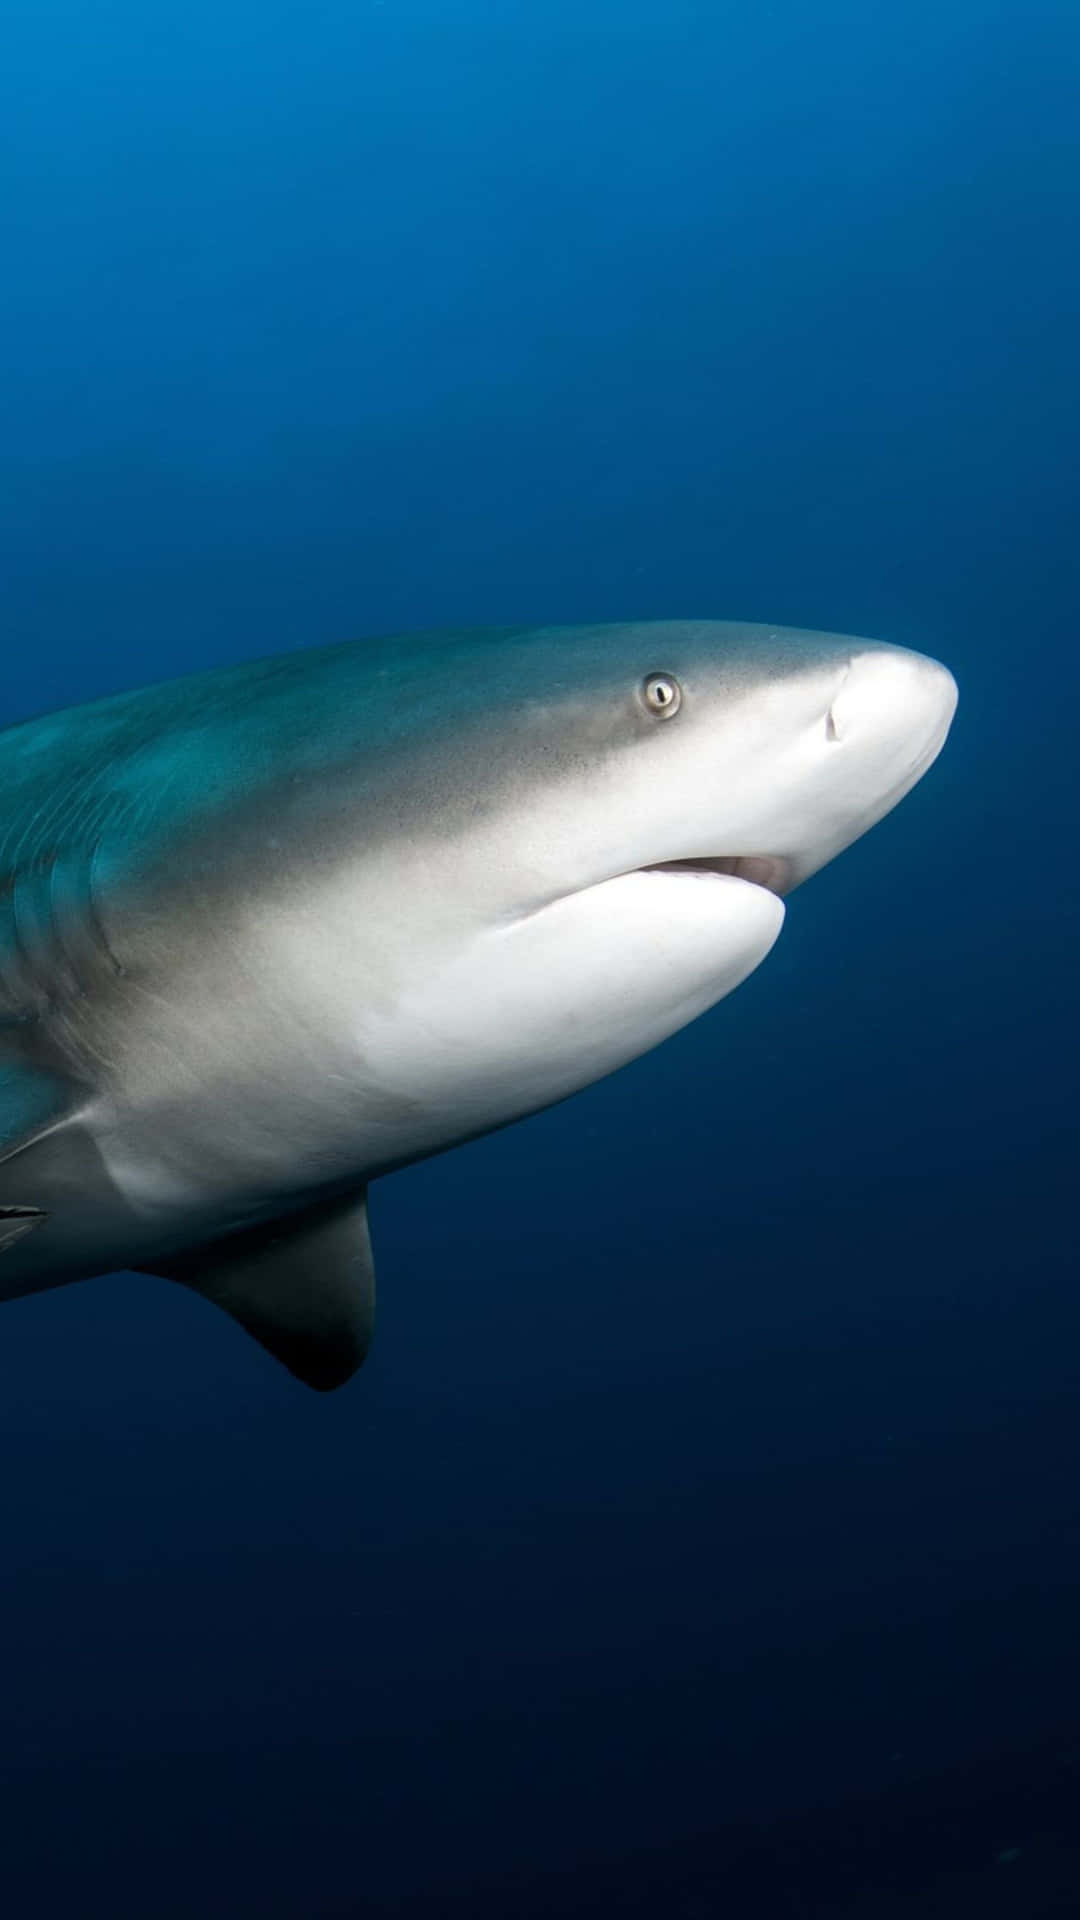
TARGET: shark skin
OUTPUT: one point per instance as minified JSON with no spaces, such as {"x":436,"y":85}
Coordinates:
{"x":270,"y":932}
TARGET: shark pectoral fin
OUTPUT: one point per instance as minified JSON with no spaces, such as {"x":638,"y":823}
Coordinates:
{"x":303,"y":1286}
{"x":15,"y":1221}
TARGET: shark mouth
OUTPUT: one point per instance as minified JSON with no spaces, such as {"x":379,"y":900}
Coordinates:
{"x":770,"y":871}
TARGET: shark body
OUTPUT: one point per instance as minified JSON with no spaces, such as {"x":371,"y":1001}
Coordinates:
{"x":270,"y":932}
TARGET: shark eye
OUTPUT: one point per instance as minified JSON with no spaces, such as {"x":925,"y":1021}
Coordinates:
{"x":662,"y":694}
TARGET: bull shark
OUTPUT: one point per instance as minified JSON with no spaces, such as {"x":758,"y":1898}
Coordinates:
{"x":272,"y":931}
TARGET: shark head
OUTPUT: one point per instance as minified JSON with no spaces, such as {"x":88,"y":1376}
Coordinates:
{"x":594,"y":832}
{"x":755,"y":751}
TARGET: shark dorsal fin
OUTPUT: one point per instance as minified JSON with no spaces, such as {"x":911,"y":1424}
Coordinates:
{"x":302,"y":1285}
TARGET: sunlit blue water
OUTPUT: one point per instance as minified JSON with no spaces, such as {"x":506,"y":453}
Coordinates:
{"x":702,"y":1536}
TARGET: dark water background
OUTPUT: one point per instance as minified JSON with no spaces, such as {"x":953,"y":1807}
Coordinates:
{"x":703,"y":1536}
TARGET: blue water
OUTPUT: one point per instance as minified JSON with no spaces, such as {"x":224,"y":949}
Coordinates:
{"x":702,"y":1536}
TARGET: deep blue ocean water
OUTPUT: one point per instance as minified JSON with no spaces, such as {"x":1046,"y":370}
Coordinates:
{"x":702,"y":1537}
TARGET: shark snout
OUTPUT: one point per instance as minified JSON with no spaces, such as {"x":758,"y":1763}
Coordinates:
{"x":893,"y":708}
{"x":885,"y":724}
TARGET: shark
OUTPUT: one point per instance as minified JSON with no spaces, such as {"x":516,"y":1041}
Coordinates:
{"x":273,"y":931}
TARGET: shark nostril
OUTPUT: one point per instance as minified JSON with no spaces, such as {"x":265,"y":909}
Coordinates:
{"x":833,"y":728}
